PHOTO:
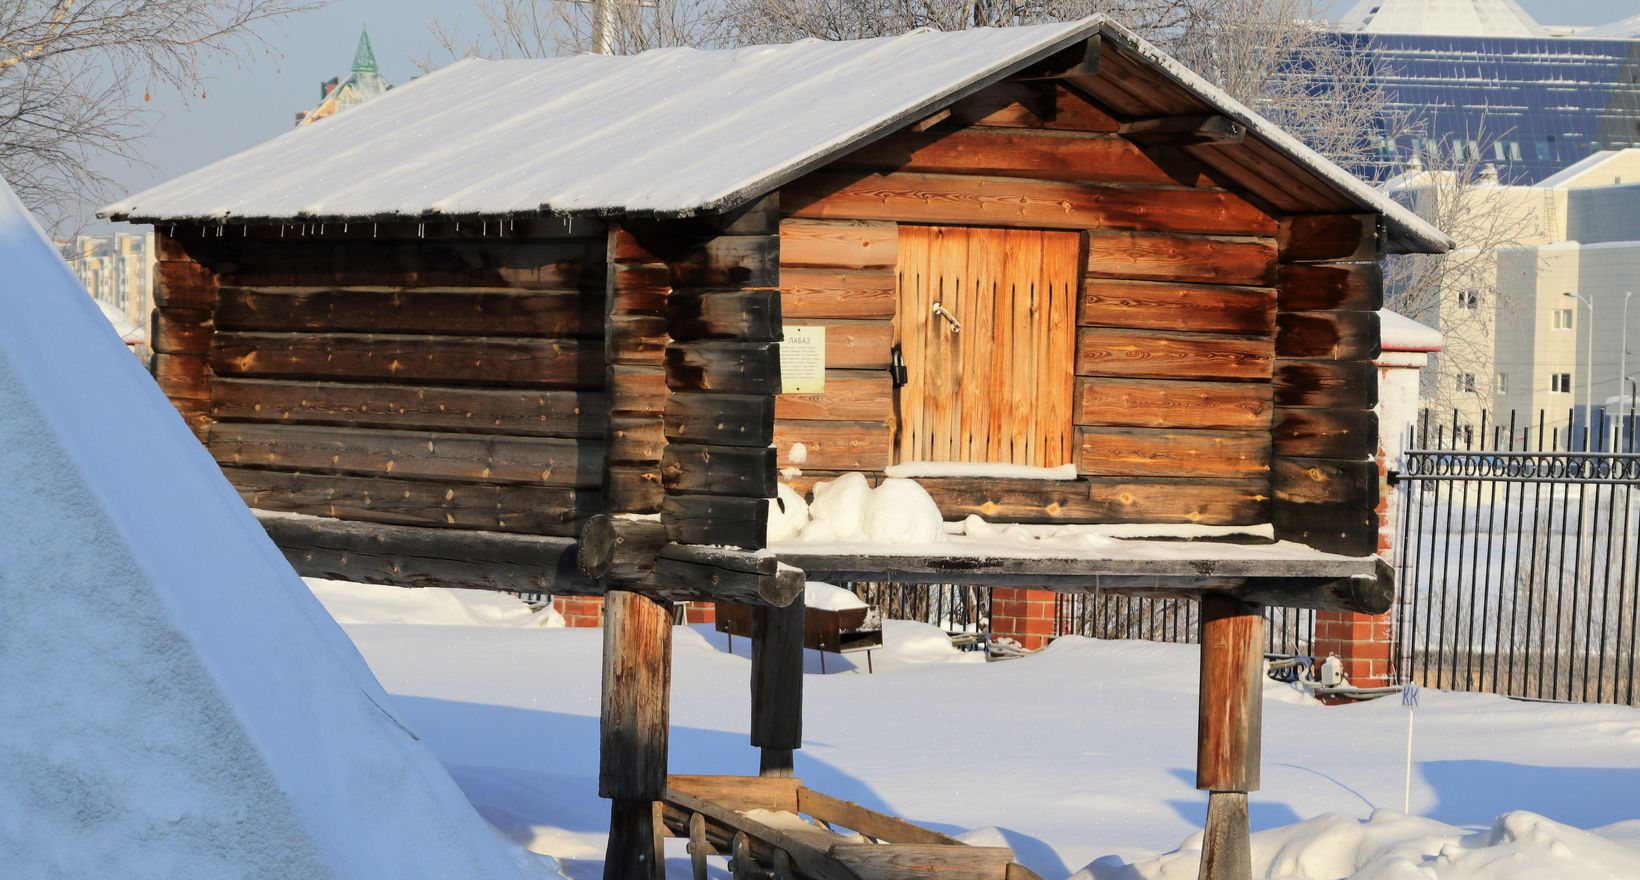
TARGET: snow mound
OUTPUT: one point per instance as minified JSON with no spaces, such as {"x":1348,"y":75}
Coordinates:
{"x":787,"y":515}
{"x":176,"y":702}
{"x":1391,"y":846}
{"x":902,"y":512}
{"x":830,"y":597}
{"x":351,"y":603}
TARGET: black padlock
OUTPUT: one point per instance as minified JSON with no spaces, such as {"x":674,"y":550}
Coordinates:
{"x":896,"y":367}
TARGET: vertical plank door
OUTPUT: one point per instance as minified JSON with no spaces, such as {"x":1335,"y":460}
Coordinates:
{"x":999,"y":389}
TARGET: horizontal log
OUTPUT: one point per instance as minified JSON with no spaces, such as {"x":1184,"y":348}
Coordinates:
{"x":850,"y":395}
{"x":729,"y":367}
{"x":397,"y":310}
{"x":181,"y":331}
{"x":1028,"y":153}
{"x":1172,"y":355}
{"x":994,"y":201}
{"x":830,"y":445}
{"x":1316,"y":237}
{"x":408,"y":556}
{"x":1188,"y":130}
{"x":714,"y":519}
{"x":743,"y":315}
{"x":1168,"y":452}
{"x":636,"y":389}
{"x":635,"y":439}
{"x":567,"y":264}
{"x":807,"y":294}
{"x":717,"y":574}
{"x":635,"y":340}
{"x":1188,"y":258}
{"x":1113,"y":499}
{"x":412,"y":407}
{"x":182,"y":376}
{"x":859,"y":345}
{"x":726,"y":260}
{"x":1032,"y":105}
{"x":196,"y":414}
{"x":1339,"y":529}
{"x":640,"y":289}
{"x":1172,"y":403}
{"x":1322,"y":286}
{"x":634,"y":488}
{"x":747,"y":472}
{"x":563,"y":363}
{"x":1339,"y":384}
{"x":1172,"y":306}
{"x":478,"y":458}
{"x":838,"y":244}
{"x":531,"y":510}
{"x":1352,"y":485}
{"x":184,"y":284}
{"x":1349,"y":434}
{"x":620,"y":549}
{"x":1335,"y":335}
{"x":720,"y":419}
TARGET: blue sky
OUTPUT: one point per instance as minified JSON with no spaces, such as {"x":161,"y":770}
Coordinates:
{"x":255,"y":97}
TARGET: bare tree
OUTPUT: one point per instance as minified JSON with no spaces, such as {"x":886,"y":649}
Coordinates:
{"x":746,"y":22}
{"x":68,"y":70}
{"x":544,"y":28}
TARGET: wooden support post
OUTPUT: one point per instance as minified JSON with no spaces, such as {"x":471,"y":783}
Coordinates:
{"x":1227,"y":735}
{"x":633,"y":730}
{"x":777,"y":685}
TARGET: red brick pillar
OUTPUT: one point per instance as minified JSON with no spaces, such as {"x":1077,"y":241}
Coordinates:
{"x":1024,"y":615}
{"x":700,"y":612}
{"x":1365,"y":643}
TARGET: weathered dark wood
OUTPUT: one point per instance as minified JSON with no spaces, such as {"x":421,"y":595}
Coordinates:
{"x":1118,"y":499}
{"x":777,"y":685}
{"x":637,"y":389}
{"x":184,"y":284}
{"x":1325,"y":433}
{"x":751,"y":315}
{"x":1231,"y":695}
{"x":473,"y":312}
{"x":635,"y":439}
{"x":1032,"y":105}
{"x":1169,"y":452}
{"x":1317,"y":237}
{"x":620,"y":549}
{"x":730,"y":367}
{"x":566,"y":264}
{"x":1321,"y":286}
{"x":747,"y":472}
{"x":181,"y":331}
{"x":945,"y":862}
{"x":1227,"y":852}
{"x":720,"y":419}
{"x":1339,"y":384}
{"x":183,"y":376}
{"x":716,"y":574}
{"x":409,"y":556}
{"x":634,"y":850}
{"x":1171,"y":403}
{"x":563,"y":363}
{"x":1183,"y":131}
{"x":1334,"y":528}
{"x":1167,"y":257}
{"x":1322,"y":481}
{"x":534,"y":461}
{"x":1163,"y":306}
{"x":1171,"y":354}
{"x":532,"y":510}
{"x":634,"y":488}
{"x":636,"y":697}
{"x":1334,"y":335}
{"x":537,"y":413}
{"x":723,"y":260}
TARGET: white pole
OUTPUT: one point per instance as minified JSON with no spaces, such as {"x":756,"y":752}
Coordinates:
{"x":603,"y":26}
{"x":1622,"y":369}
{"x":1409,"y":699}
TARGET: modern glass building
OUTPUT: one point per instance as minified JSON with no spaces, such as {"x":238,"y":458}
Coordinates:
{"x":1531,"y":100}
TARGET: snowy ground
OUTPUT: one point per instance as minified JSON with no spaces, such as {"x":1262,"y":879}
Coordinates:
{"x":1083,"y":752}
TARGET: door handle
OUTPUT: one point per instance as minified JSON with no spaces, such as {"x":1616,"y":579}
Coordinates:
{"x":940,"y":309}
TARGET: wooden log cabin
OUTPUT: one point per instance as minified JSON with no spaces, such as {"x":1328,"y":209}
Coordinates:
{"x":518,"y":325}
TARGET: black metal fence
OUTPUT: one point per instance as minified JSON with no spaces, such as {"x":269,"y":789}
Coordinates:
{"x":1290,"y":630}
{"x":1519,"y":560}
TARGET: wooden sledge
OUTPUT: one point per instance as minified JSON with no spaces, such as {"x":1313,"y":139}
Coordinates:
{"x":805,"y":834}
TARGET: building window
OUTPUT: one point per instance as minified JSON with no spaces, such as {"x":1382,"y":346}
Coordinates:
{"x":1466,"y":383}
{"x":1501,"y":381}
{"x":1560,"y":383}
{"x":1469,"y":299}
{"x":1563,"y":319}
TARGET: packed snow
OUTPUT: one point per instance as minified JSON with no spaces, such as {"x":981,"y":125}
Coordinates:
{"x":1079,"y":757}
{"x":174,"y":703}
{"x":830,"y":597}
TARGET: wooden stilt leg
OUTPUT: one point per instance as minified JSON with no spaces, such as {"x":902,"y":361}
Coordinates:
{"x":777,"y":686}
{"x":633,"y":730}
{"x":1227,"y":744}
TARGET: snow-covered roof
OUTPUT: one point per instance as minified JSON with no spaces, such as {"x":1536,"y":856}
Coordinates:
{"x":1400,"y":333}
{"x":1456,"y":18}
{"x":668,"y":132}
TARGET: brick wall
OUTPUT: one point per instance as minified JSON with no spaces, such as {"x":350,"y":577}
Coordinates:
{"x":1026,"y":616}
{"x":588,"y":611}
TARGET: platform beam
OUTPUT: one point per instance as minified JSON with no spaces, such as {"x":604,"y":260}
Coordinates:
{"x":1228,"y":730}
{"x":633,"y":731}
{"x":777,"y":686}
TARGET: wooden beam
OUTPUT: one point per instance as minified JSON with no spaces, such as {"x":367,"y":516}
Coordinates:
{"x":1228,"y":730}
{"x":777,"y":685}
{"x":1184,"y":131}
{"x":637,"y":678}
{"x":688,"y":572}
{"x":620,"y":549}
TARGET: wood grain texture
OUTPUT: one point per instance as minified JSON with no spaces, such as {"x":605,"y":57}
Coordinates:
{"x":1322,"y":286}
{"x":1166,"y":452}
{"x":184,"y":284}
{"x":1317,"y":237}
{"x":1334,"y":335}
{"x":539,"y":413}
{"x":809,"y":294}
{"x":837,"y":244}
{"x":1027,"y":153}
{"x":1032,"y":105}
{"x":1102,"y":500}
{"x":728,"y":367}
{"x":833,"y":445}
{"x":720,"y":419}
{"x":181,"y":331}
{"x":567,"y":264}
{"x":1170,"y":403}
{"x":563,"y":363}
{"x":1231,"y":695}
{"x":850,"y":395}
{"x":716,"y":519}
{"x":749,"y":315}
{"x":719,"y":470}
{"x":1172,"y":355}
{"x":1174,"y":306}
{"x":1339,"y":384}
{"x":637,"y":679}
{"x":1348,"y":434}
{"x":183,"y":376}
{"x":777,"y":678}
{"x":1188,"y":258}
{"x":1227,"y":852}
{"x":400,"y":310}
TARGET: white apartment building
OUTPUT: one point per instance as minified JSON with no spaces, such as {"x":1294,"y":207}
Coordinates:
{"x":118,"y":271}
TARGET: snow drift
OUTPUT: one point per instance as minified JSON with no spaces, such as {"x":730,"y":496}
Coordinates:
{"x":175,"y":703}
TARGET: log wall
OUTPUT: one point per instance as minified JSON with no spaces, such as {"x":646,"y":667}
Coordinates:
{"x":1177,"y":319}
{"x":436,"y":375}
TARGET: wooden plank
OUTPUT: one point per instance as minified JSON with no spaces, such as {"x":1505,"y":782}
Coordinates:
{"x":777,"y":685}
{"x":916,"y":860}
{"x":712,"y":519}
{"x":531,"y":510}
{"x":1184,"y":130}
{"x":540,"y":413}
{"x":1014,"y":202}
{"x":181,"y":331}
{"x":742,"y":793}
{"x":1231,"y":695}
{"x":1172,"y":403}
{"x":1164,"y":452}
{"x":859,"y":345}
{"x":410,"y":556}
{"x":743,"y":315}
{"x":184,"y":284}
{"x":1325,"y":433}
{"x":720,"y":419}
{"x":637,"y":389}
{"x":1334,"y":335}
{"x":195,"y":413}
{"x":399,"y":310}
{"x":479,"y":458}
{"x":1056,"y":340}
{"x":747,"y":472}
{"x":639,"y":289}
{"x":1172,"y":306}
{"x":1172,"y":355}
{"x":808,"y":858}
{"x":182,"y":376}
{"x":1340,"y":384}
{"x":1032,"y":105}
{"x":564,"y":363}
{"x":567,"y":264}
{"x":878,"y":826}
{"x":1316,"y":237}
{"x":831,"y":445}
{"x":1187,"y":258}
{"x":729,"y":367}
{"x":1112,"y":499}
{"x":837,"y":244}
{"x":850,"y":395}
{"x":810,"y":294}
{"x":1026,"y":153}
{"x":1332,"y":528}
{"x":1323,"y":286}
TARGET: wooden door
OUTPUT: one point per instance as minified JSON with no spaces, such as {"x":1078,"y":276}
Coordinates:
{"x":990,"y":372}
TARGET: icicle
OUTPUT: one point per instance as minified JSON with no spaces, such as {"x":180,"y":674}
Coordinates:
{"x":373,"y":229}
{"x":344,"y":227}
{"x":281,"y":230}
{"x":321,"y":229}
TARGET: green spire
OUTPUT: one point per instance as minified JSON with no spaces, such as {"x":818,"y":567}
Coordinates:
{"x":364,"y":60}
